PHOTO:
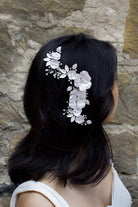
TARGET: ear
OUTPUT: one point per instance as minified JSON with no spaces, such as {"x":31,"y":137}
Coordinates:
{"x":115,"y":93}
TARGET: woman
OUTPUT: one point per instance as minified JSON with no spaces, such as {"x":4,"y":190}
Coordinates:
{"x":66,"y":158}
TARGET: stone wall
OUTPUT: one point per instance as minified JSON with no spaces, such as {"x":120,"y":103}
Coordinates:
{"x":25,"y":26}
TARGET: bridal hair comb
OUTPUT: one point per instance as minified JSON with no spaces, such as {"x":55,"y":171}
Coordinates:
{"x":79,"y":83}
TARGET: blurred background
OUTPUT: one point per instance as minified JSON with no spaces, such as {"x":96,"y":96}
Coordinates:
{"x":25,"y":26}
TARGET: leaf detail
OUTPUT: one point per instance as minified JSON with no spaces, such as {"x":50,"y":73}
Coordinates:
{"x":66,"y":68}
{"x":63,"y":76}
{"x":74,"y":66}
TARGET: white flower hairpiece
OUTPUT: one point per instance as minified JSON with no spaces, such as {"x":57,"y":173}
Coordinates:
{"x":80,"y":82}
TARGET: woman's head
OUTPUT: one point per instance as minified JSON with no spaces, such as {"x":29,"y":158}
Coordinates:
{"x":54,"y":144}
{"x":45,"y":97}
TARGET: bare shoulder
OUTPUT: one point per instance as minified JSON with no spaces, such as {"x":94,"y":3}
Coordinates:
{"x":32,"y":199}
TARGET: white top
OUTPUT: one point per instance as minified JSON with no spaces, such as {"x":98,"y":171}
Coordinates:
{"x":120,"y":195}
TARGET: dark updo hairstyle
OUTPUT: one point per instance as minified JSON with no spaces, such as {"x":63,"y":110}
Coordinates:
{"x":54,"y":146}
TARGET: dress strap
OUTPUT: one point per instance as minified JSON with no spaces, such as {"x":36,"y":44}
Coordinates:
{"x":31,"y":185}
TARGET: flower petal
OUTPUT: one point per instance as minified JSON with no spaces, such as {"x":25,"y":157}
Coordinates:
{"x":62,"y":75}
{"x":80,"y":119}
{"x":48,"y":63}
{"x":66,"y":68}
{"x":72,"y":75}
{"x":62,"y":71}
{"x":72,"y":118}
{"x":69,"y":88}
{"x":56,"y":55}
{"x":46,"y":59}
{"x":74,"y":66}
{"x":49,"y":55}
{"x":77,"y":112}
{"x":58,"y":49}
{"x":80,"y":104}
{"x":69,"y":115}
{"x":72,"y":105}
{"x":54,"y":63}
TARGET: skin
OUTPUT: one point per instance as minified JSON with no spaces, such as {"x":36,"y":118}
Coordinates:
{"x":81,"y":196}
{"x":115,"y":93}
{"x":75,"y":195}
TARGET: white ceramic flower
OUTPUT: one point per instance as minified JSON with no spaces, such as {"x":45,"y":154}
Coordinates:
{"x":76,"y":112}
{"x":83,"y":81}
{"x":80,"y":119}
{"x":53,"y":63}
{"x":82,"y":94}
{"x":56,"y":55}
{"x":72,"y":98}
{"x":72,"y":104}
{"x":81,"y":104}
{"x":72,"y":75}
{"x":85,"y":77}
{"x":52,"y":59}
{"x":74,"y":92}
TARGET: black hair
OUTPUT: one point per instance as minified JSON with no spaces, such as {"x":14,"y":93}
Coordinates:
{"x":54,"y":146}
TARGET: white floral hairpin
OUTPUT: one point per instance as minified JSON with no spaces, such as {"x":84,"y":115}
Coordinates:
{"x":79,"y":83}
